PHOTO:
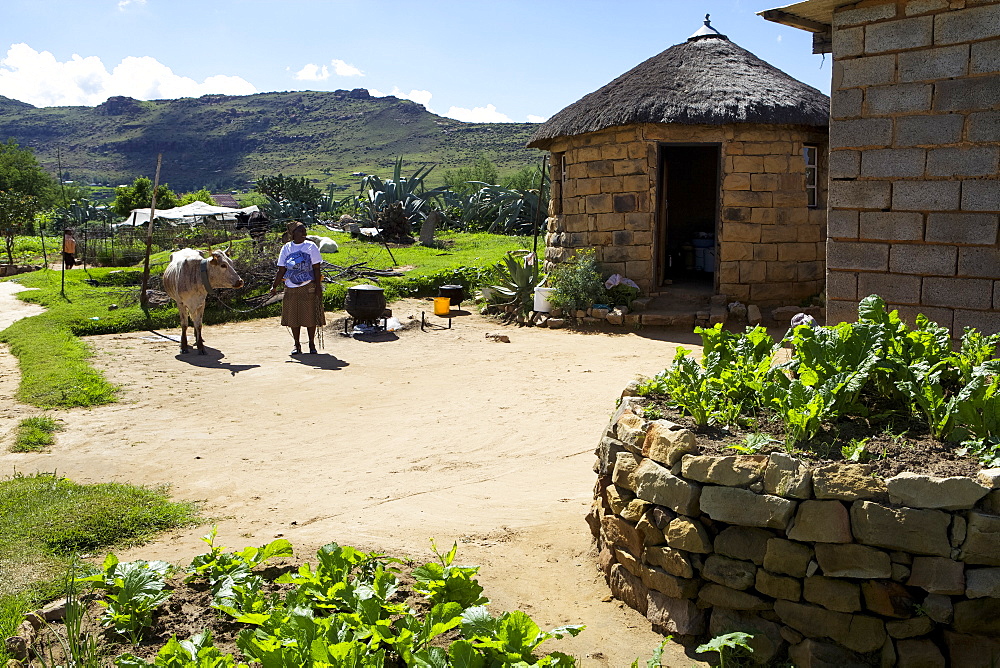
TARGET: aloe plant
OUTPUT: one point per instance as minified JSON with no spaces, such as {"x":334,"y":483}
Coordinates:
{"x":378,"y":195}
{"x":518,"y":279}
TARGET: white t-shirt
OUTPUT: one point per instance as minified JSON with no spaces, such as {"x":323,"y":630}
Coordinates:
{"x":298,"y":261}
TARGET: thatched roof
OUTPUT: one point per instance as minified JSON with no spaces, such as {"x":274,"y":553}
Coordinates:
{"x":705,"y":80}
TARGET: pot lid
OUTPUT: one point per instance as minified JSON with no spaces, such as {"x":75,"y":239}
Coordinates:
{"x":365,"y":287}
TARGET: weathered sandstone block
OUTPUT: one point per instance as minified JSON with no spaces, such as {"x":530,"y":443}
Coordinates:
{"x":787,"y":557}
{"x":665,"y":583}
{"x":980,"y":615}
{"x":938,"y":575}
{"x":777,"y":586}
{"x":852,"y":561}
{"x":621,"y":534}
{"x":733,"y":471}
{"x":743,"y":507}
{"x":674,"y":615}
{"x":919,"y":652}
{"x":631,"y":431}
{"x":889,"y":599}
{"x":832,"y":594}
{"x":982,"y":583}
{"x":924,"y":491}
{"x":670,"y":560}
{"x":656,"y":484}
{"x":982,"y":542}
{"x":732,"y":573}
{"x":821,"y":522}
{"x":666,"y":442}
{"x":787,"y":476}
{"x":972,"y":651}
{"x":628,"y":589}
{"x":846,"y":482}
{"x":688,"y":535}
{"x":607,"y":453}
{"x":907,"y":529}
{"x":766,"y":642}
{"x":746,"y":543}
{"x":716,"y":595}
{"x":625,"y":466}
{"x":812,"y":653}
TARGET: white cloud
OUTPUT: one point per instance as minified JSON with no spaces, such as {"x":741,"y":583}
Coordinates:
{"x":536,"y":119}
{"x":313,"y":72}
{"x":123,"y":4}
{"x":345,"y":70}
{"x":38,"y":78}
{"x":487,"y":114}
{"x":779,"y":38}
{"x":419,"y":96}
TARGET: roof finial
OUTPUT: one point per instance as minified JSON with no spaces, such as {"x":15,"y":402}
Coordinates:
{"x":706,"y":30}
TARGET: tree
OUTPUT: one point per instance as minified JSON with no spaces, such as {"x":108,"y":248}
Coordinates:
{"x":139,"y":195}
{"x":484,"y":171}
{"x":17,"y":212}
{"x":21,"y":173}
{"x":291,"y":188}
{"x":198,"y":196}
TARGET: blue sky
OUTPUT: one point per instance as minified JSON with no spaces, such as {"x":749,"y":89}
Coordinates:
{"x":506,"y":60}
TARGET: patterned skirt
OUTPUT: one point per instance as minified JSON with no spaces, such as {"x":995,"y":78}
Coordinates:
{"x":302,"y":307}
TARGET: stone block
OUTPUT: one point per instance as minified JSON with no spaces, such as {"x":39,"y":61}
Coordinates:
{"x":891,"y":225}
{"x":920,"y":652}
{"x":895,"y":289}
{"x":766,"y":642}
{"x":898,"y":35}
{"x":926,"y":195}
{"x":747,"y":232}
{"x":971,"y":293}
{"x":625,"y":465}
{"x":746,"y":543}
{"x":629,"y":563}
{"x":914,"y":7}
{"x":938,"y":575}
{"x":740,"y":506}
{"x":634,"y":510}
{"x":978,"y":262}
{"x":981,"y":195}
{"x":857,"y":256}
{"x":812,"y":653}
{"x":607,"y":454}
{"x":982,"y":542}
{"x":893,"y":162}
{"x":670,"y":560}
{"x":929,"y":130}
{"x":867,"y":71}
{"x":624,"y":203}
{"x":972,"y":651}
{"x":618,"y":498}
{"x":666,"y":442}
{"x":832,"y":594}
{"x":674,"y":615}
{"x":889,"y":599}
{"x":797,"y":252}
{"x":821,"y":522}
{"x":732,"y":471}
{"x":842,"y":224}
{"x":777,"y":164}
{"x":967,"y":25}
{"x":736,"y":181}
{"x":659,"y":580}
{"x":982,"y":583}
{"x":934,"y":64}
{"x":766,"y":181}
{"x":848,"y":42}
{"x":733,"y":573}
{"x":898,"y":99}
{"x":986,"y":57}
{"x":906,"y":529}
{"x":939,"y":608}
{"x":869,"y":14}
{"x":787,"y":557}
{"x":716,"y":595}
{"x":753,"y":271}
{"x":861,"y":132}
{"x":628,"y":588}
{"x":778,"y":586}
{"x":656,"y":484}
{"x":647,"y":530}
{"x":852,"y":561}
{"x":631,"y":431}
{"x":964,"y":161}
{"x":621,"y":534}
{"x":845,"y":164}
{"x":841,"y":285}
{"x":924,"y":491}
{"x":923,"y":259}
{"x":909,"y":628}
{"x":749,"y":198}
{"x":846,"y":482}
{"x":978,"y":616}
{"x":857,"y":632}
{"x":967,"y":94}
{"x":860,"y":194}
{"x":688,"y":535}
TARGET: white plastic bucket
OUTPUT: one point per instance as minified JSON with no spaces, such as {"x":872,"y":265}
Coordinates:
{"x":542,"y":304}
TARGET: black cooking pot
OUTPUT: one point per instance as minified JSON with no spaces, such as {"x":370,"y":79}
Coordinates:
{"x":455,"y":292}
{"x":365,"y":302}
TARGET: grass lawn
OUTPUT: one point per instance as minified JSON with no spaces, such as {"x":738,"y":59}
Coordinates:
{"x":54,"y":362}
{"x":46,"y":522}
{"x":35,"y":433}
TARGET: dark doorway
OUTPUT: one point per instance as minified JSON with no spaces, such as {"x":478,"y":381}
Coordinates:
{"x":688,"y":213}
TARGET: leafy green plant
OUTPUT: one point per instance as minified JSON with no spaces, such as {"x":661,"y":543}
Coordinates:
{"x":856,"y":450}
{"x":35,"y":433}
{"x":577,"y":283}
{"x":730,"y":641}
{"x":508,"y":639}
{"x":443,"y":582}
{"x":197,"y":652}
{"x":235,"y":589}
{"x":754,"y":443}
{"x":134,"y":589}
{"x":657,"y":657}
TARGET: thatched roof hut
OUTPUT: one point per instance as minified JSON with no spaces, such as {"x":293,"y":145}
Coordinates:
{"x":706,"y":80}
{"x":696,"y":107}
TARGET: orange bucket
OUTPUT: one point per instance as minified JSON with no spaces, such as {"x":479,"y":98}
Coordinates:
{"x":442,"y":305}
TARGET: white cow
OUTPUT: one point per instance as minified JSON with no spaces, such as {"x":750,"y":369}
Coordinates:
{"x":188,"y":280}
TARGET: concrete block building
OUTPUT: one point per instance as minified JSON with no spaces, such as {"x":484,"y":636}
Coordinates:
{"x":702,"y":164}
{"x":914,"y":165}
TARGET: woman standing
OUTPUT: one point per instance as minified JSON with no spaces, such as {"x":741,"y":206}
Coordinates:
{"x":68,"y":249}
{"x":302,"y":305}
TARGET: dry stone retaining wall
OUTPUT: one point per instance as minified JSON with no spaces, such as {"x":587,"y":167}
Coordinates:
{"x":826,"y":565}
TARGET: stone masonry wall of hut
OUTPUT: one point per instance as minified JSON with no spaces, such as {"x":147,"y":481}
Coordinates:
{"x":915,"y":149}
{"x":771,"y":244}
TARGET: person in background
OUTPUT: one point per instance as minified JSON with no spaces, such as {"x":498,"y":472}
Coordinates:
{"x":69,"y":249}
{"x":302,"y":305}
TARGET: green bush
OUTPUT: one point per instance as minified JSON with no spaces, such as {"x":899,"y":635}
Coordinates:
{"x":578,"y":283}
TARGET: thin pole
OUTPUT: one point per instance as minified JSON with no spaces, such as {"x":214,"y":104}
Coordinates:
{"x":143,"y":298}
{"x":538,"y":209}
{"x":62,"y":185}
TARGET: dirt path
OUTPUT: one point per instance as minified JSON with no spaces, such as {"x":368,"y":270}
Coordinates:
{"x":381,"y":445}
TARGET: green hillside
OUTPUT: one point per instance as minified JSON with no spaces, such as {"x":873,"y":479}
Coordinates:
{"x":224,"y":141}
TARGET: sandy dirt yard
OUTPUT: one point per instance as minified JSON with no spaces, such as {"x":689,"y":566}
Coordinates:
{"x":381,"y":444}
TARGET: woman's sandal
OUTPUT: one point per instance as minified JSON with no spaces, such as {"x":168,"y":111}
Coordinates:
{"x":296,"y":351}
{"x":312,"y":350}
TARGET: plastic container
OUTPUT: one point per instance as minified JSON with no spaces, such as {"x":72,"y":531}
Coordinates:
{"x":542,"y":304}
{"x":709,"y":264}
{"x":442,"y":305}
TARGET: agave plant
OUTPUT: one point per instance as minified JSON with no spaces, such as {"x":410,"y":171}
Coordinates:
{"x":378,"y":195}
{"x":518,"y":276}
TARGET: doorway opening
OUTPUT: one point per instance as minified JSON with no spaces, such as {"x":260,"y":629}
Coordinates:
{"x":688,"y":213}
